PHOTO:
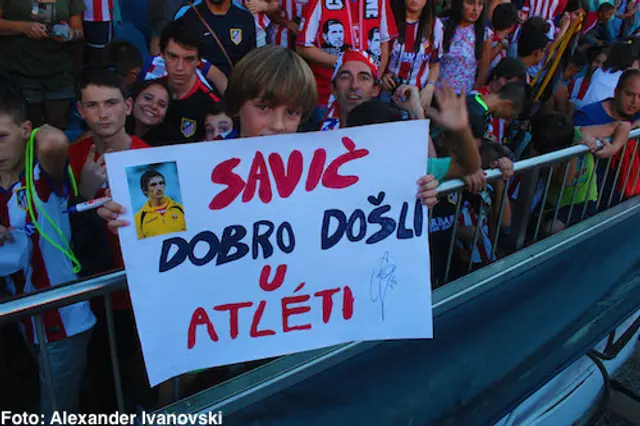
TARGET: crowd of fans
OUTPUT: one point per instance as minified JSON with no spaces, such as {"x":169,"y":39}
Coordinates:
{"x":217,"y":70}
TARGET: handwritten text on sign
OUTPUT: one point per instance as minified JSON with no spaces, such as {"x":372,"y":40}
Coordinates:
{"x":292,"y":243}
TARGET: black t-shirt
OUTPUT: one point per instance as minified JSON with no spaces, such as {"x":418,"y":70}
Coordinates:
{"x":236,"y":31}
{"x":478,"y":116}
{"x":184,"y":121}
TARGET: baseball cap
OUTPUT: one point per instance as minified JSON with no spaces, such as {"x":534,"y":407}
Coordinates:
{"x":358,"y":56}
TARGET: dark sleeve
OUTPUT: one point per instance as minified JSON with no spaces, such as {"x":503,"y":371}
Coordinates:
{"x":477,"y":118}
{"x":251,"y":26}
{"x":581,"y":118}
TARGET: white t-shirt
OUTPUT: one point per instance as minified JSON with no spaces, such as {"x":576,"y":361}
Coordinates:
{"x":603,"y":85}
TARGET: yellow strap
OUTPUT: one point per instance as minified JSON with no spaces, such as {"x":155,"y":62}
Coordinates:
{"x":556,"y":52}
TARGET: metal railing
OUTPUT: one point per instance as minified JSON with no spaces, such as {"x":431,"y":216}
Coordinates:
{"x":300,"y":365}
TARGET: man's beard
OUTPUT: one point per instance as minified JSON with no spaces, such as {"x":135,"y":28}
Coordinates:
{"x":217,"y":2}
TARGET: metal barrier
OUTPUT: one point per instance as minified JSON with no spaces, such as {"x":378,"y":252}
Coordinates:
{"x":298,"y":366}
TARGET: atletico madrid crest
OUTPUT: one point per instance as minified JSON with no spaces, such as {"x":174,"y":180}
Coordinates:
{"x":21,"y":198}
{"x":236,"y":35}
{"x":188,"y":127}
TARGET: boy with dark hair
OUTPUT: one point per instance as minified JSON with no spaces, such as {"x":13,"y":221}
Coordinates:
{"x":552,"y":132}
{"x":34,"y":185}
{"x":181,"y":50}
{"x":577,"y":61}
{"x":602,"y":33}
{"x":508,"y":69}
{"x":104,"y":104}
{"x":532,"y":44}
{"x":509,"y":102}
{"x":504,"y":20}
{"x":127,"y":60}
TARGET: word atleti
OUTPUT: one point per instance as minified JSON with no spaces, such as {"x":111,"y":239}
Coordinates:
{"x":232,"y":238}
{"x":290,"y":306}
{"x":286,"y":180}
{"x":356,"y":226}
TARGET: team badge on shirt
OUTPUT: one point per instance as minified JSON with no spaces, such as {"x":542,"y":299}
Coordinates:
{"x":188,"y":127}
{"x":236,"y":35}
{"x":21,"y":198}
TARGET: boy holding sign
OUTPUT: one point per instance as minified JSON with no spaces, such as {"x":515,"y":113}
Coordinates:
{"x":271,"y":91}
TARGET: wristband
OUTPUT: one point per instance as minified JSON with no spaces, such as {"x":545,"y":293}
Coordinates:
{"x":431,"y":83}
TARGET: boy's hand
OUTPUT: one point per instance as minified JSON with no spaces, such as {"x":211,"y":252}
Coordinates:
{"x":453,"y":115}
{"x":428,"y":190}
{"x":591,"y":142}
{"x":506,"y":167}
{"x":94,"y":174}
{"x":607,"y":150}
{"x":5,"y":235}
{"x":477,"y":182}
{"x":110,"y":212}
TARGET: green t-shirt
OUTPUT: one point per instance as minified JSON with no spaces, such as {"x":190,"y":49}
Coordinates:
{"x":584,"y":170}
{"x":438,"y":167}
{"x":37,"y":58}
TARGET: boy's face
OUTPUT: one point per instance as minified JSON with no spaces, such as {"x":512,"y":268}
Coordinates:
{"x":506,"y":109}
{"x":606,"y":16}
{"x":181,"y":62}
{"x":571,"y":71}
{"x":259,"y":117}
{"x":217,"y":126}
{"x":539,"y":55}
{"x":104,"y":110}
{"x":12,"y":142}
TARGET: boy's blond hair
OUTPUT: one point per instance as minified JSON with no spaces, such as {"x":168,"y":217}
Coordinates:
{"x":275,"y":74}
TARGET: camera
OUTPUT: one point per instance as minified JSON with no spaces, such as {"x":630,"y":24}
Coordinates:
{"x":399,"y":81}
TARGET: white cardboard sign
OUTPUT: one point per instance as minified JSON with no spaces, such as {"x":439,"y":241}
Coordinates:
{"x":252,"y":248}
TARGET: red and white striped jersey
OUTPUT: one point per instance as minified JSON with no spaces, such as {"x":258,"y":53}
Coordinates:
{"x":546,"y":9}
{"x":413,"y":67}
{"x":469,"y":216}
{"x":498,"y":128}
{"x":98,"y":10}
{"x":48,"y":266}
{"x":278,"y":34}
{"x":578,"y":88}
{"x":495,"y":40}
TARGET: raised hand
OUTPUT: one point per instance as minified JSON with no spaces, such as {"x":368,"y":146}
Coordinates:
{"x":94,"y":175}
{"x":453,"y":114}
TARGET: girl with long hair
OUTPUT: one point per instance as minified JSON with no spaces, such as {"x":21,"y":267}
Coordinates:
{"x":467,"y":46}
{"x":415,"y":54}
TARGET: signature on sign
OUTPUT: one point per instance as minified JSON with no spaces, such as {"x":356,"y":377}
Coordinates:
{"x":383,"y":278}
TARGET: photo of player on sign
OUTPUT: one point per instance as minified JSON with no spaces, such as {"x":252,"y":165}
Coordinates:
{"x":155,"y":195}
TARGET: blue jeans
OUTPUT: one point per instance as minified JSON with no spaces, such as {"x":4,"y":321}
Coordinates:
{"x":68,"y":359}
